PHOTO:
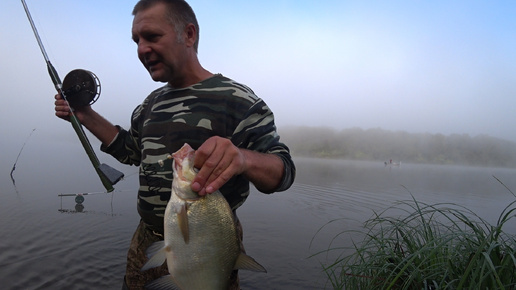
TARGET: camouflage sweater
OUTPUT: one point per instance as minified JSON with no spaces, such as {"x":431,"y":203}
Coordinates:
{"x":170,"y":117}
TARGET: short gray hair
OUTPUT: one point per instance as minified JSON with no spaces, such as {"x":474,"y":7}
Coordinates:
{"x":179,"y":13}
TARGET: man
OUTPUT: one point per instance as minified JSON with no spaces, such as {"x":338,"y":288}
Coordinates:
{"x":232,"y":130}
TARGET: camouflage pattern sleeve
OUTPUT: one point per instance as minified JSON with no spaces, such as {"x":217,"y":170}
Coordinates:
{"x":126,"y":147}
{"x":258,"y":132}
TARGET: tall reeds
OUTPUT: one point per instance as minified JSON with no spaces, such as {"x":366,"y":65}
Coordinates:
{"x":413,"y":245}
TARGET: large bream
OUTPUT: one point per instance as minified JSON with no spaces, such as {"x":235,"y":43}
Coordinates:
{"x":200,"y":246}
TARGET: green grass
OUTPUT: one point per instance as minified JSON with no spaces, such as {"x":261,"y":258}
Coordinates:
{"x":439,"y":246}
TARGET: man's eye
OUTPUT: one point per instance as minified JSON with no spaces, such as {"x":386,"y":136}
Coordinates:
{"x":154,"y":37}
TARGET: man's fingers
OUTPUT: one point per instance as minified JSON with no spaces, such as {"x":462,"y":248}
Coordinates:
{"x":219,"y":180}
{"x":206,"y":173}
{"x":204,"y":152}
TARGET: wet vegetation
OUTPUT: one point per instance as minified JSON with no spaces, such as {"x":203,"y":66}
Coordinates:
{"x":413,"y":245}
{"x":382,"y":145}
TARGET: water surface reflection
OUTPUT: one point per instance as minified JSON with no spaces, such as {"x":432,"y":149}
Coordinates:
{"x":49,"y":243}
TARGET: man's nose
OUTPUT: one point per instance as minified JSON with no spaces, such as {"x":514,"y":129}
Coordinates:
{"x":143,"y":48}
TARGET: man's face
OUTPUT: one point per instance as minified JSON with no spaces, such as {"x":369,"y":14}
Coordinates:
{"x":159,"y":49}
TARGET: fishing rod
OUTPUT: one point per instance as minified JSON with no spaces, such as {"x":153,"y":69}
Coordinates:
{"x":79,"y":88}
{"x":79,"y":197}
{"x":18,"y":157}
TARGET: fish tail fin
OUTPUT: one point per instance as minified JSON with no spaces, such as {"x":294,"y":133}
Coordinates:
{"x":157,"y":255}
{"x":244,"y":262}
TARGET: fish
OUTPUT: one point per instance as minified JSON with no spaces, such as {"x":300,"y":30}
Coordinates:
{"x":201,"y":245}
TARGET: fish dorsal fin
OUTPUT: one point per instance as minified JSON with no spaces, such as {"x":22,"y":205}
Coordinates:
{"x":244,"y":262}
{"x":182,"y":220}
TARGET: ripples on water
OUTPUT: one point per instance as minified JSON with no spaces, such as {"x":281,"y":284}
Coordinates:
{"x":46,"y":249}
{"x":45,"y":245}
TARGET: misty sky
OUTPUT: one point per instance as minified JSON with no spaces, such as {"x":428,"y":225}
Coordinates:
{"x":419,"y":66}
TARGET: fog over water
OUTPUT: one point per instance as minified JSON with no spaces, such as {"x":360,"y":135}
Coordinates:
{"x":439,"y":67}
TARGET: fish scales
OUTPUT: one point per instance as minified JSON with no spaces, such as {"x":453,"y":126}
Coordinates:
{"x":212,"y":248}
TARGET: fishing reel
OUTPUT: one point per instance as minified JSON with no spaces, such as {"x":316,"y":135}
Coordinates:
{"x":81,"y":88}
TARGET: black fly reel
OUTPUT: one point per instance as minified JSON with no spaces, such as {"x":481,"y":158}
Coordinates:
{"x":81,"y":88}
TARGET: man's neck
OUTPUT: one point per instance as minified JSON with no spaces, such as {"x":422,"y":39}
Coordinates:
{"x":194,"y":76}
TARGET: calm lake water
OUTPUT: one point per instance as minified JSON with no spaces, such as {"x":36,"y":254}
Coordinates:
{"x":46,"y":244}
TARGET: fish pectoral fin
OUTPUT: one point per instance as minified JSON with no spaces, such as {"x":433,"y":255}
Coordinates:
{"x":182,"y":220}
{"x":156,"y":254}
{"x":165,"y":282}
{"x":244,"y":262}
{"x":154,"y":248}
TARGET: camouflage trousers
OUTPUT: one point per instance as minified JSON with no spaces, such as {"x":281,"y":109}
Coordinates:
{"x":143,"y":237}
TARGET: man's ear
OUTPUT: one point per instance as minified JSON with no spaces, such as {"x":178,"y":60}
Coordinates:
{"x":190,"y":35}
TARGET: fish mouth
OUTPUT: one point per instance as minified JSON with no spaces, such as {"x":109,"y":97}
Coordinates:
{"x":183,"y":156}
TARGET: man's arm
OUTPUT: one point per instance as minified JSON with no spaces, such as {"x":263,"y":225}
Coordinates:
{"x":264,"y":170}
{"x":219,"y":160}
{"x":93,"y":121}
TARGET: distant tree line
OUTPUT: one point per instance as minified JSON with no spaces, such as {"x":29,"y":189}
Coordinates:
{"x":383,"y":145}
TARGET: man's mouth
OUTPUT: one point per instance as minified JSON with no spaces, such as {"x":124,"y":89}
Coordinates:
{"x":152,"y":63}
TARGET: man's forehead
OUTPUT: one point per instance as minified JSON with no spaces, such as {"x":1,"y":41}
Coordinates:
{"x":156,"y":11}
{"x":149,"y":18}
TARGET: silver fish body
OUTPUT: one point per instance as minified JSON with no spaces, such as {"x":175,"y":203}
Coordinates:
{"x":201,"y":244}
